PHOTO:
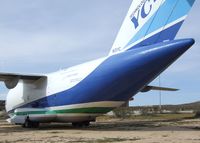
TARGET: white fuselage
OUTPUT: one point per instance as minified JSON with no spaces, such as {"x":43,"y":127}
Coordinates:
{"x":28,"y":91}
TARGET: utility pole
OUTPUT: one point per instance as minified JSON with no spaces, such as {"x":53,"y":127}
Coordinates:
{"x":160,"y":95}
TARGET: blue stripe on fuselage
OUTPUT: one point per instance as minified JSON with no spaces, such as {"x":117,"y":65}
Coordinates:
{"x":160,"y":36}
{"x":168,"y":13}
{"x":118,"y":78}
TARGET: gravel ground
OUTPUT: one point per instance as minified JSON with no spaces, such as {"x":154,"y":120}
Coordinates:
{"x":108,"y":131}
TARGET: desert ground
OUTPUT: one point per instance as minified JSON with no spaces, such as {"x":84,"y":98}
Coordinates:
{"x":150,"y":129}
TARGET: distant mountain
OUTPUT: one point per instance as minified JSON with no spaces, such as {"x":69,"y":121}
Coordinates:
{"x":192,"y":104}
{"x":195,"y":106}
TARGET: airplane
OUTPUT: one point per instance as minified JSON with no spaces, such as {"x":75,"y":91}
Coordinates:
{"x":144,"y":47}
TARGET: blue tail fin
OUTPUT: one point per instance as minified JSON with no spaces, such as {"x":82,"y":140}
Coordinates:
{"x":151,"y":21}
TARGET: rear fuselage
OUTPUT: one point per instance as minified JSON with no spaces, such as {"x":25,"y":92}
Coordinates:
{"x":83,"y":92}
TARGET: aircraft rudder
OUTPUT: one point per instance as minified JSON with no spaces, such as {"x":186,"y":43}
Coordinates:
{"x":151,"y":21}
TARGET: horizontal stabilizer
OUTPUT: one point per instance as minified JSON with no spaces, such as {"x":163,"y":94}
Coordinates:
{"x":149,"y":88}
{"x":7,"y":76}
{"x":12,"y":79}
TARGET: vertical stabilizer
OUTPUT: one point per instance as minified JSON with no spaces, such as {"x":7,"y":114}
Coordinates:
{"x":151,"y":21}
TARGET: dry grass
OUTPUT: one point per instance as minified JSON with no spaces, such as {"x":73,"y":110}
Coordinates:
{"x":149,"y":117}
{"x":138,"y":129}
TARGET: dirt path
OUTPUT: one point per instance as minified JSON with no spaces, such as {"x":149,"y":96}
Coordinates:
{"x":183,"y":131}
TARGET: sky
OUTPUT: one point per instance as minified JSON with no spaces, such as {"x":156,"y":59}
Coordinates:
{"x":43,"y":36}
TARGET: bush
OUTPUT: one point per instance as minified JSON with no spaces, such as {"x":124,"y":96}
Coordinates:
{"x":197,"y":114}
{"x":122,"y":112}
{"x":3,"y":114}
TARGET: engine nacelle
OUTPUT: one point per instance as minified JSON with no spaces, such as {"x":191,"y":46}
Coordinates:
{"x":12,"y":83}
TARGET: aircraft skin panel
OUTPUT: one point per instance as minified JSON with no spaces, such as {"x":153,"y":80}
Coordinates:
{"x":67,"y":112}
{"x":102,"y":84}
{"x":147,"y":16}
{"x":56,"y":82}
{"x":68,"y":78}
{"x":102,"y":104}
{"x":153,"y":36}
{"x":95,"y":110}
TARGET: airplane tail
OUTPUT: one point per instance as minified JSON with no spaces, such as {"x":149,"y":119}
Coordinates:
{"x":149,"y":22}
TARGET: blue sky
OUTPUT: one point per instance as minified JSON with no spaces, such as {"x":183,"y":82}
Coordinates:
{"x":39,"y":36}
